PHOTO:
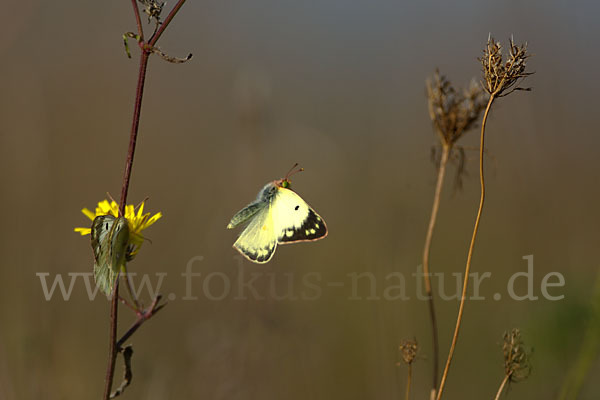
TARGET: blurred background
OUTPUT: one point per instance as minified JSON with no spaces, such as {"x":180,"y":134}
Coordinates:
{"x":338,"y":86}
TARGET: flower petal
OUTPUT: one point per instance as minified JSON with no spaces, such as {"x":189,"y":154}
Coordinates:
{"x":129,"y":212}
{"x":88,"y":214}
{"x":141,"y":209}
{"x":83,"y":231}
{"x":154,"y":218}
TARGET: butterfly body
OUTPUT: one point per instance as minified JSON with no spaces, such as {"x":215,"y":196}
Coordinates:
{"x":277,"y":216}
{"x":110,"y":236}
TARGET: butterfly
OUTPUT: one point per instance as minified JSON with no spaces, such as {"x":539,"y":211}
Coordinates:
{"x":110,"y":236}
{"x":277,"y":216}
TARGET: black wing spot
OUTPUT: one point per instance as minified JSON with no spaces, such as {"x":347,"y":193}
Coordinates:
{"x":296,"y":208}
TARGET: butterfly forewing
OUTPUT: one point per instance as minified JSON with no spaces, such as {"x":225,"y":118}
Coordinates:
{"x":313,"y":228}
{"x":100,"y":229}
{"x":297,"y":221}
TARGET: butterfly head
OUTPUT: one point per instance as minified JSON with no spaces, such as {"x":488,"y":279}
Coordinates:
{"x":286,"y":183}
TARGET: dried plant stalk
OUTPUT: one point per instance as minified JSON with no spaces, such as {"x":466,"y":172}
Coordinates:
{"x":409,"y":350}
{"x":517,"y":366}
{"x":500,"y":79}
{"x":452,"y":114}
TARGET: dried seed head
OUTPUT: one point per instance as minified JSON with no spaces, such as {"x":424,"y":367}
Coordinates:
{"x":153,"y":9}
{"x":502,"y":76}
{"x":453,"y":112}
{"x":517,"y":358}
{"x":409,"y":349}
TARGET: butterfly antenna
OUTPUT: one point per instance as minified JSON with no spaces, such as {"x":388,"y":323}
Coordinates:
{"x":293,"y":171}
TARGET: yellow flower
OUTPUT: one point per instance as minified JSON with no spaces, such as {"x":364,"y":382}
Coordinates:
{"x":138,"y":221}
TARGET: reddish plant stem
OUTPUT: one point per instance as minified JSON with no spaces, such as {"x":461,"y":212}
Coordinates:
{"x":112,"y":351}
{"x":146,"y":50}
{"x":142,"y":317}
{"x":134,"y":128}
{"x":165,"y":23}
{"x":138,"y":20}
{"x":110,"y":370}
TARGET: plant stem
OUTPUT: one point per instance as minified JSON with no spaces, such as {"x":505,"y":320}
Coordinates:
{"x":501,"y":388}
{"x":408,"y":381}
{"x":471,"y":249}
{"x":143,"y":316}
{"x":112,"y":350}
{"x":138,"y":20}
{"x":426,"y":251}
{"x":134,"y":127}
{"x":110,"y":370}
{"x":165,"y":23}
{"x":146,"y":50}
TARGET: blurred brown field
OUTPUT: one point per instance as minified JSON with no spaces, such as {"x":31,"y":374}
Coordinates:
{"x":338,"y":87}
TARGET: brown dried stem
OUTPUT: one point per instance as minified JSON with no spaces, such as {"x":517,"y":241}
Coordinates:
{"x":409,"y":349}
{"x":517,"y":365}
{"x":452,"y":114}
{"x":127,"y":373}
{"x":408,"y":381}
{"x":426,"y":251}
{"x":501,"y":388}
{"x":470,"y":254}
{"x":499,"y":78}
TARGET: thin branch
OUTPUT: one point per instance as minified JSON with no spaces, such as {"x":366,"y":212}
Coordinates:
{"x":134,"y":128}
{"x":168,"y":58}
{"x":142,"y":317}
{"x":125,"y":302}
{"x":138,"y":20}
{"x":501,"y":388}
{"x":165,"y":23}
{"x":110,"y":370}
{"x":145,"y":53}
{"x":112,"y":350}
{"x":426,"y":252}
{"x":408,"y":382}
{"x":127,"y":374}
{"x":471,"y":249}
{"x":409,"y":349}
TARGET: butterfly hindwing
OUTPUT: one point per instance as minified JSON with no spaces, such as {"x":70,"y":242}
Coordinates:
{"x":258,"y":240}
{"x":110,"y":237}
